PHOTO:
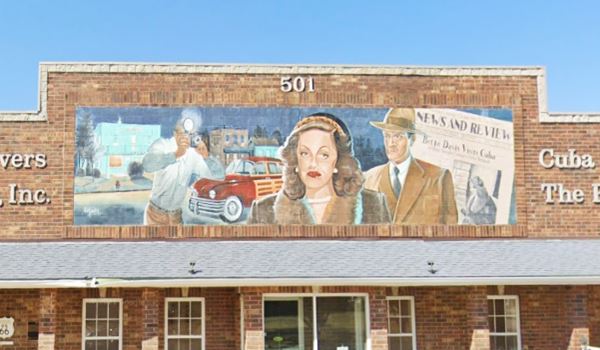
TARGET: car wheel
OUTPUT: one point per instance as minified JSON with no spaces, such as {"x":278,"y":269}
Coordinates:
{"x":233,"y":209}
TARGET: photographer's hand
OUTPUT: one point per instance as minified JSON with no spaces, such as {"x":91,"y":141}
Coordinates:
{"x":183,"y":143}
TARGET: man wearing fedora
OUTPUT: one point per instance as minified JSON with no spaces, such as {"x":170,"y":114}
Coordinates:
{"x":417,"y":192}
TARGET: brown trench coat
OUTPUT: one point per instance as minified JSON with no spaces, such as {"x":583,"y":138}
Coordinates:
{"x":427,"y":196}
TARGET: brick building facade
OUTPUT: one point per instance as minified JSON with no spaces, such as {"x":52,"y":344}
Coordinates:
{"x":63,"y":302}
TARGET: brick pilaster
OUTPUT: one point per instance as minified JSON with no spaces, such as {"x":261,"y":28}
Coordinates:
{"x":594,"y":314}
{"x":253,"y":319}
{"x":477,"y":318}
{"x":378,"y":318}
{"x":150,"y":318}
{"x":576,"y":299}
{"x":48,"y":319}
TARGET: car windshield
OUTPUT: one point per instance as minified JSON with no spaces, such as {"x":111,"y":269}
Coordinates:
{"x":242,"y":167}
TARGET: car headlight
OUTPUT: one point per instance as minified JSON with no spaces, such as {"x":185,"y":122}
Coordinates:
{"x":212,"y":194}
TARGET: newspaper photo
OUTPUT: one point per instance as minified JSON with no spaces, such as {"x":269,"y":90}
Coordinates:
{"x":478,"y":150}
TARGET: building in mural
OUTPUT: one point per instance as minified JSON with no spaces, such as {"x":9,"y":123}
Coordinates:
{"x":264,"y":146}
{"x":229,"y":144}
{"x":122,"y":144}
{"x":369,"y":208}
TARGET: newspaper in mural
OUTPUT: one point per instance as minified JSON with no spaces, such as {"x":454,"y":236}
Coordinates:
{"x":228,"y":165}
{"x":479,"y":151}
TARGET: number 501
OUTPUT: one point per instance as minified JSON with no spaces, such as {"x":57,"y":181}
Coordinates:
{"x":298,"y":84}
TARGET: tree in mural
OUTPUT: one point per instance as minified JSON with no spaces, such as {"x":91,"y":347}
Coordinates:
{"x":260,"y":132}
{"x":87,"y":147}
{"x":368,"y":155}
{"x":277,"y":136}
{"x":84,"y":140}
{"x":135,"y":170}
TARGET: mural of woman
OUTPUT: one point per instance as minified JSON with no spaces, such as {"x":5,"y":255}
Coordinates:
{"x":322,"y":182}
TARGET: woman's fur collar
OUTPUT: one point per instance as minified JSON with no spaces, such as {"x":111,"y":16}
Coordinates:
{"x":340,"y":211}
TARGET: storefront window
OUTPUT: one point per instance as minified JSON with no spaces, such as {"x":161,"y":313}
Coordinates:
{"x":102,"y":324}
{"x":339,"y":322}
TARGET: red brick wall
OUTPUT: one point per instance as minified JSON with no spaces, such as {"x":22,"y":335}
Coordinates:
{"x":551,"y":317}
{"x":134,"y":319}
{"x":22,"y":305}
{"x":441,"y":315}
{"x":70,"y":303}
{"x":477,"y":318}
{"x":557,"y":317}
{"x":67,"y":91}
{"x":221,"y":332}
{"x":143,"y":316}
{"x":445,"y":316}
{"x":593,"y":309}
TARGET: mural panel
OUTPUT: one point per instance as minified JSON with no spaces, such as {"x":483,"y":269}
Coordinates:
{"x":305,"y":166}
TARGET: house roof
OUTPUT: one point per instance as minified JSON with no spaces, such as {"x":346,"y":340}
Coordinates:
{"x":299,"y":262}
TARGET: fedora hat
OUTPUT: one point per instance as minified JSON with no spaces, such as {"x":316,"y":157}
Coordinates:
{"x":398,"y":119}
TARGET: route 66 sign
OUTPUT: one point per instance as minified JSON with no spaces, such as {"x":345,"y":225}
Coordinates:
{"x":7,"y":328}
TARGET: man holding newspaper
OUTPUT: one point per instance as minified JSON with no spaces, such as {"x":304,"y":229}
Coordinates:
{"x":417,"y":192}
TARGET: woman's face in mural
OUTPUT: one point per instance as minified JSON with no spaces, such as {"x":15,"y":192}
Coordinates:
{"x":317,"y":155}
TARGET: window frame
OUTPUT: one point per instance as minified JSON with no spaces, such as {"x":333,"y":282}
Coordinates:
{"x":413,"y":321}
{"x":518,"y":318}
{"x":166,"y":324}
{"x":83,"y":320}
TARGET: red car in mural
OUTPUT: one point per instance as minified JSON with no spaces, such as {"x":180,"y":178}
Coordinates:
{"x":245,"y":180}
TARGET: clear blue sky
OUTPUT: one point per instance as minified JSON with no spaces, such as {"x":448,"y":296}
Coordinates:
{"x":563,"y":36}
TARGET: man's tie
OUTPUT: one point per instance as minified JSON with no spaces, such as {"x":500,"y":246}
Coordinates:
{"x":396,"y":183}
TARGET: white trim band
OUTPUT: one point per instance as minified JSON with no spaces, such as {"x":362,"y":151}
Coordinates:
{"x":285,"y":282}
{"x":41,"y":284}
{"x":400,"y":282}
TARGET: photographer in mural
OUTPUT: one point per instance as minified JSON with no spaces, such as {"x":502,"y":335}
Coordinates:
{"x":417,"y":192}
{"x":323,"y":182}
{"x":174,"y":162}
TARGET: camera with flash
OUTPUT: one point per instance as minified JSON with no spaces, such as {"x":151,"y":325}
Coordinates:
{"x":190,"y":129}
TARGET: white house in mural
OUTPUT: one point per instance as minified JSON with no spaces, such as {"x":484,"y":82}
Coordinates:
{"x":123,"y":144}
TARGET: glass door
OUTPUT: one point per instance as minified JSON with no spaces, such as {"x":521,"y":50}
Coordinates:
{"x":288,"y":324}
